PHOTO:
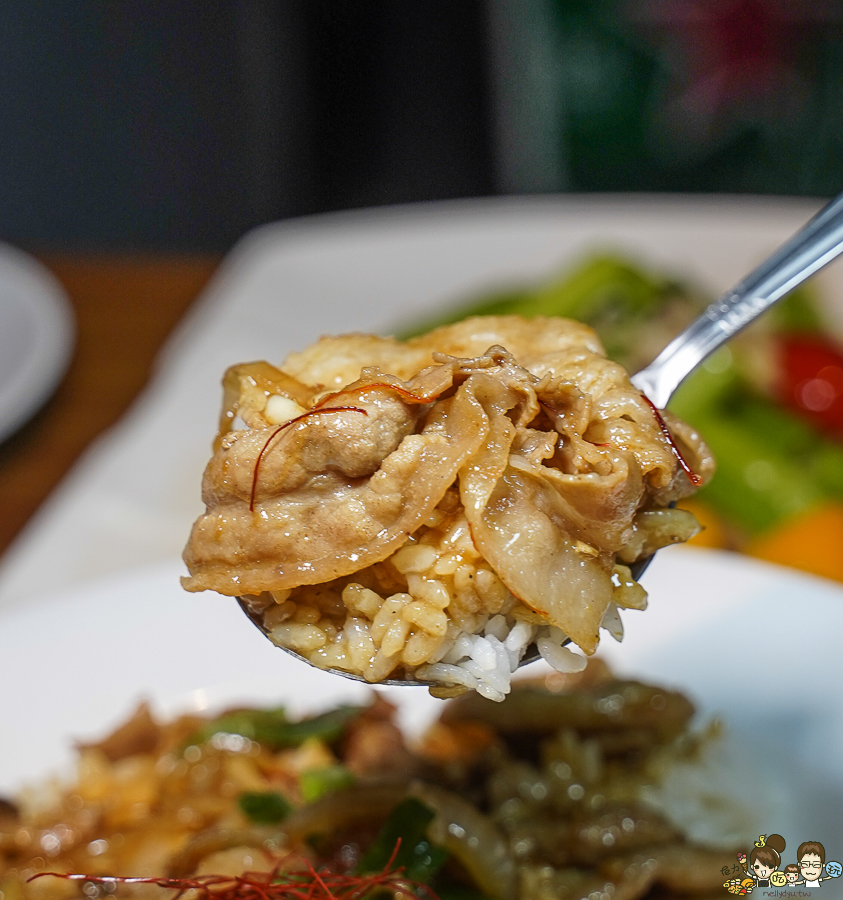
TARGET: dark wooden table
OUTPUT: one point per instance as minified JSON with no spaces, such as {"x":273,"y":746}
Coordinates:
{"x":125,"y":307}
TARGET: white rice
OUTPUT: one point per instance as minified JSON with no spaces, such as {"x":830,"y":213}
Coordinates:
{"x":434,"y":612}
{"x":486,"y":662}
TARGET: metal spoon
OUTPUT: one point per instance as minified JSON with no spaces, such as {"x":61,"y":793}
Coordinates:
{"x":815,"y":245}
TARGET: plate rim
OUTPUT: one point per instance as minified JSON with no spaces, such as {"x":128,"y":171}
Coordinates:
{"x":51,"y":315}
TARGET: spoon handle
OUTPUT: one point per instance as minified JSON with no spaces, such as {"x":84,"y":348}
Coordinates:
{"x":811,"y":248}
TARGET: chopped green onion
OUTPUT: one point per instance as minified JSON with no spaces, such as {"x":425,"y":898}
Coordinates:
{"x":272,"y":728}
{"x":408,"y":823}
{"x":315,"y":783}
{"x":264,"y":807}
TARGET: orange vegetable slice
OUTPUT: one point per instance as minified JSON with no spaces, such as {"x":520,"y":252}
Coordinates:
{"x":812,"y":541}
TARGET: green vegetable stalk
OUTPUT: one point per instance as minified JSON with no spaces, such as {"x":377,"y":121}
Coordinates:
{"x":771,"y":465}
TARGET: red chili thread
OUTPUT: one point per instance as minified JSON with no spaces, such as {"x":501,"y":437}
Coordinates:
{"x":280,"y":428}
{"x":308,"y":883}
{"x":695,"y":479}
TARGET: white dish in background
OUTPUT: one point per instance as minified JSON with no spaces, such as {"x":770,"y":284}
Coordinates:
{"x":36,"y":337}
{"x":133,"y":497}
{"x":755,"y":644}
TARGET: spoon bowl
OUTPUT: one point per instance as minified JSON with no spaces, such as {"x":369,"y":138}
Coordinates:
{"x":255,"y":615}
{"x":815,"y":245}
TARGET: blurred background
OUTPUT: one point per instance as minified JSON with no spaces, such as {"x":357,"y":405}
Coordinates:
{"x":140,"y":141}
{"x":180,"y":125}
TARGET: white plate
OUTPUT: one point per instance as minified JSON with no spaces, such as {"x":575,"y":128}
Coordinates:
{"x":133,"y":497}
{"x":36,"y":337}
{"x":753,"y":643}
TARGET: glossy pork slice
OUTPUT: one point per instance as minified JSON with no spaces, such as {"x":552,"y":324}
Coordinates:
{"x":360,"y":447}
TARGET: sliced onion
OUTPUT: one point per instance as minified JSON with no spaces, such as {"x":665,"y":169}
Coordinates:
{"x":471,"y":838}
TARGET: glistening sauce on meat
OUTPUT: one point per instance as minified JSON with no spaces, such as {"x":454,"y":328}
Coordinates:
{"x":430,"y":508}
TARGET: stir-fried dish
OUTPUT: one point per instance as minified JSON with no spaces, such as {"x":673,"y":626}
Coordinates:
{"x":431,"y":508}
{"x":550,"y":794}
